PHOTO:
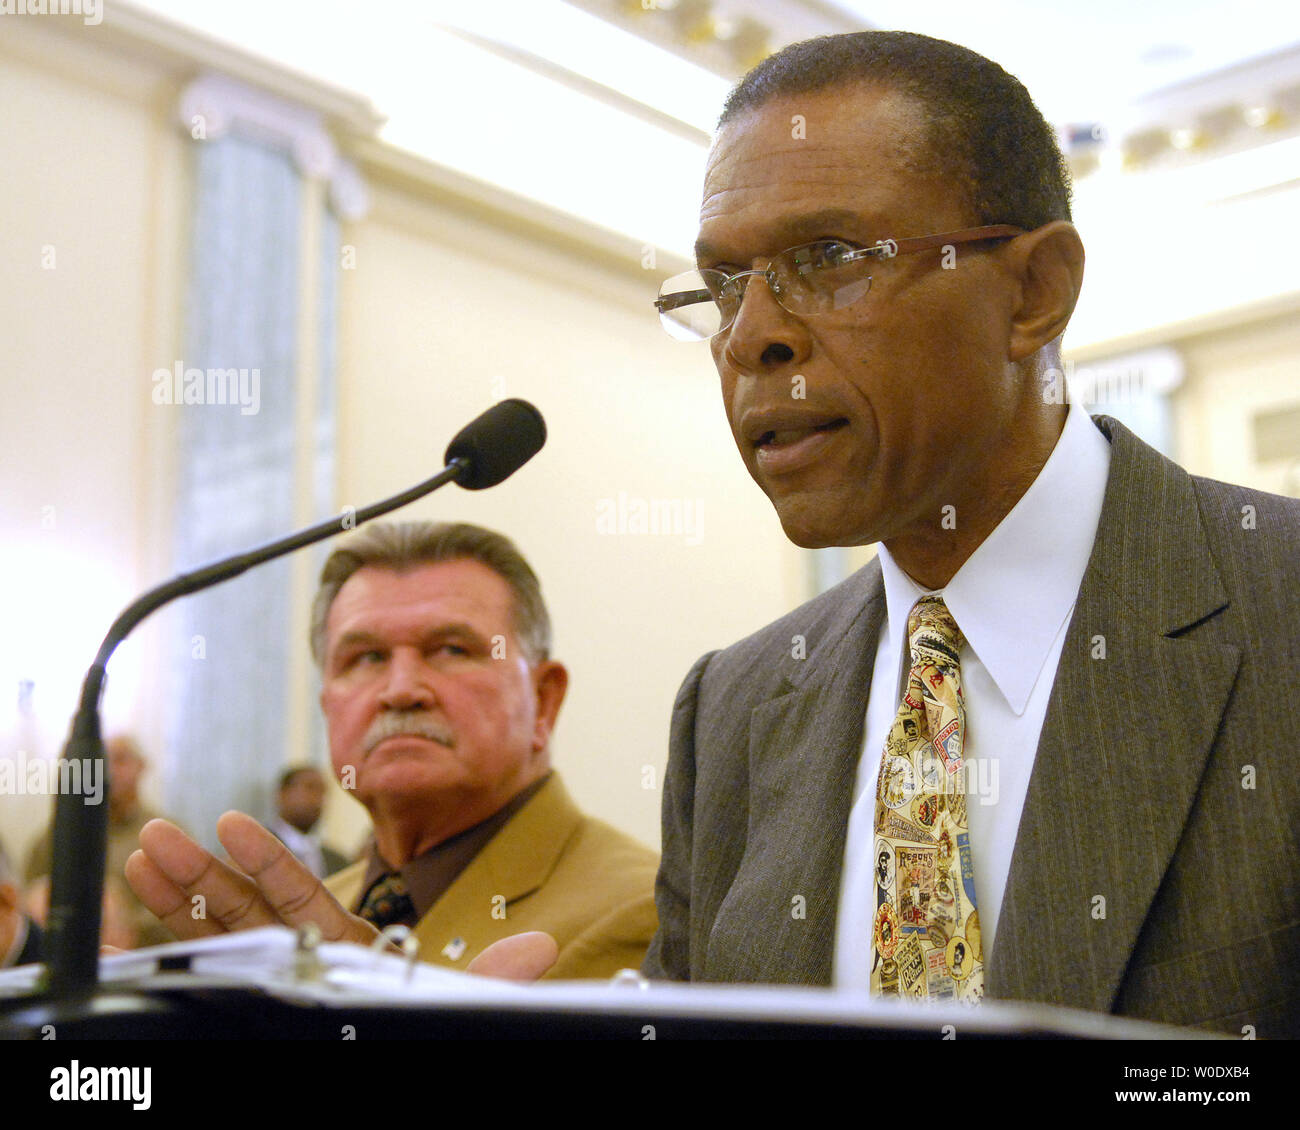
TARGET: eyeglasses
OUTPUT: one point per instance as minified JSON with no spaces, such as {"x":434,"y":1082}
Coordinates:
{"x":812,"y":279}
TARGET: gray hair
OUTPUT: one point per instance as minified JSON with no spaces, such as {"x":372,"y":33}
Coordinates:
{"x":405,"y":545}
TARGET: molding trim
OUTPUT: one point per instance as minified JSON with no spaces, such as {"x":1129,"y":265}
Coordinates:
{"x":425,"y":180}
{"x":1279,"y":306}
{"x":214,"y":105}
{"x":726,"y":37}
{"x":183,"y":52}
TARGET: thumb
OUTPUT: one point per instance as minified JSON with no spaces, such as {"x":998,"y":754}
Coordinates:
{"x":520,"y":957}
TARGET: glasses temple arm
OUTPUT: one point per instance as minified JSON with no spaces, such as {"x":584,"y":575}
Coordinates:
{"x":968,"y":235}
{"x":666,"y":302}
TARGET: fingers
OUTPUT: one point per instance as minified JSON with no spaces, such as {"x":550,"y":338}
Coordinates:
{"x":164,"y":899}
{"x":520,"y":957}
{"x":287,"y":888}
{"x":192,"y":892}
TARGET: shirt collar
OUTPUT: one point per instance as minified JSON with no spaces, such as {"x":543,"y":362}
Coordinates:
{"x":1013,"y":594}
{"x":294,"y":839}
{"x":429,"y":876}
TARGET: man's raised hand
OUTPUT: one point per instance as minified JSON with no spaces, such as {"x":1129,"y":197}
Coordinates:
{"x":195,"y":894}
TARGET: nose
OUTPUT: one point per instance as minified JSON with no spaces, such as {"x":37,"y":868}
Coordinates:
{"x":408,"y":685}
{"x":764,"y":336}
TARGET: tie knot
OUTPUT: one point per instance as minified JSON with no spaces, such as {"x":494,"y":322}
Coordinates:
{"x":388,"y":901}
{"x":930,"y":627}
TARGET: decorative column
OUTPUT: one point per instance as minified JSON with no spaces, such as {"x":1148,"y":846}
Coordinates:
{"x":256,"y":427}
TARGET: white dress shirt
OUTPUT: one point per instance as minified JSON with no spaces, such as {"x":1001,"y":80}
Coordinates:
{"x":305,"y":845}
{"x":1012,"y":599}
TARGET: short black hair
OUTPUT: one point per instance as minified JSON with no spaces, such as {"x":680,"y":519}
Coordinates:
{"x":287,"y":777}
{"x":984,"y":127}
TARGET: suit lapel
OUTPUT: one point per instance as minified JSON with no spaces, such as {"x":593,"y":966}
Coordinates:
{"x":475,"y":909}
{"x":1131,"y":720}
{"x":804,"y":747}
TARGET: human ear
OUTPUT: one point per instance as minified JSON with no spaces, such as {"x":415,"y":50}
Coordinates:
{"x":1048,"y":262}
{"x":550,"y":683}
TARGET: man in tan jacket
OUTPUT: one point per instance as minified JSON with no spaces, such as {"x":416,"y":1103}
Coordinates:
{"x":440,"y":699}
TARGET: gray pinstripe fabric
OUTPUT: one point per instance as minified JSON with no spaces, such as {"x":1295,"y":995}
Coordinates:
{"x":1146,"y":879}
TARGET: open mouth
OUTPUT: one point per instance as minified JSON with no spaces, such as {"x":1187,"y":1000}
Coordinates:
{"x":787,"y":436}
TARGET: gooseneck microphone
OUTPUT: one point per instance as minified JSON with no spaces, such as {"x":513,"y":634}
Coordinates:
{"x":486,"y":451}
{"x":496,"y":444}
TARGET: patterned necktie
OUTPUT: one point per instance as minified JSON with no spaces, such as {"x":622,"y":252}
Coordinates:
{"x":388,"y":901}
{"x":926,"y":937}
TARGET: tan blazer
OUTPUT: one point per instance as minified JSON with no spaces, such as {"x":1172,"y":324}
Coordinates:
{"x":550,"y":868}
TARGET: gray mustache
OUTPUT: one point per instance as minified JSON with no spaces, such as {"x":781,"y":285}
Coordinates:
{"x":421,"y":724}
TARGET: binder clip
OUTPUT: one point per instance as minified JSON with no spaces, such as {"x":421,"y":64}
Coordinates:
{"x":401,"y":937}
{"x":307,"y":965}
{"x":629,"y":979}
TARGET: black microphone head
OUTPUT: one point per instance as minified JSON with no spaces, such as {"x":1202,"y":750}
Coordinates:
{"x":497,"y":443}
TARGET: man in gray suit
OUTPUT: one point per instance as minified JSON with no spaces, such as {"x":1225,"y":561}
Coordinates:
{"x":887,"y":265}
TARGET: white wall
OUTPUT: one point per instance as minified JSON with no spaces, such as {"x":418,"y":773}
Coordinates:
{"x":459,"y":298}
{"x":1233,"y":374}
{"x":446,"y":313}
{"x":89,"y":247}
{"x":452,"y":305}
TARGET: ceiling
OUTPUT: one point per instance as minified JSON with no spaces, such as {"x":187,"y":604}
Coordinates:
{"x":603,"y":108}
{"x":1084,"y":61}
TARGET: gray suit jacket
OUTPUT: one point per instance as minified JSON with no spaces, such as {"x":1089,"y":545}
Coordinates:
{"x":1156,"y":870}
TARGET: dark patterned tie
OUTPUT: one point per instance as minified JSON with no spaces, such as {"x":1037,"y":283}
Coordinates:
{"x":388,"y":902}
{"x":926,"y":938}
